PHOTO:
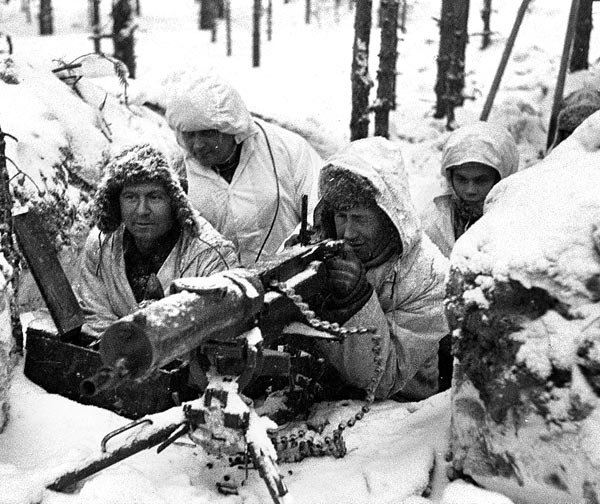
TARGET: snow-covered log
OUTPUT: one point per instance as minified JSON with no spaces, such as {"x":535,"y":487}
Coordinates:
{"x":523,"y":303}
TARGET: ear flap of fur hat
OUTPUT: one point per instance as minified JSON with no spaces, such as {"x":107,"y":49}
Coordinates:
{"x":139,"y":164}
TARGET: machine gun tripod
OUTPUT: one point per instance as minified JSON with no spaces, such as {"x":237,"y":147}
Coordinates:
{"x":230,"y":320}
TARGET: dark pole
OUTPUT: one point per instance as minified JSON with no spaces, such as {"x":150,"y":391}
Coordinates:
{"x":487,"y":107}
{"x":562,"y":72}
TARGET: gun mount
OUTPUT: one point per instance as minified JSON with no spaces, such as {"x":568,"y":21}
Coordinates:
{"x":203,"y":317}
{"x":225,"y":325}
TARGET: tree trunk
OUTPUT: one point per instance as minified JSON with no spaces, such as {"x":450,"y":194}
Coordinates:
{"x":256,"y":33}
{"x":26,"y":8}
{"x":361,"y":81}
{"x":46,"y":18}
{"x":208,"y":14}
{"x":386,"y":76}
{"x":404,"y":8}
{"x":123,"y":30}
{"x":307,"y":11}
{"x":8,"y":248}
{"x":138,"y":7}
{"x":96,"y":27}
{"x":486,"y":12}
{"x":228,"y":25}
{"x":451,"y":58}
{"x":270,"y":20}
{"x":220,"y":6}
{"x":581,"y":42}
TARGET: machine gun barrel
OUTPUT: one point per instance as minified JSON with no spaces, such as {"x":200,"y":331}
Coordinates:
{"x":221,"y":307}
{"x":105,"y":379}
{"x":216,"y":308}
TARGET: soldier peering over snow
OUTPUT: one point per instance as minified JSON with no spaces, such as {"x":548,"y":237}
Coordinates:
{"x":474,"y":159}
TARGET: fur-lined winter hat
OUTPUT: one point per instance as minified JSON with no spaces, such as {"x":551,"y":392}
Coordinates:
{"x":134,"y":165}
{"x":577,"y":106}
{"x":344,"y":190}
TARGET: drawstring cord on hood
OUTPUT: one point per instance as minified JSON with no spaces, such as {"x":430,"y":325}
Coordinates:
{"x":278,"y":196}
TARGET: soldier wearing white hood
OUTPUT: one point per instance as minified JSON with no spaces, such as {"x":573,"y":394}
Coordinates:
{"x":245,"y":176}
{"x":391,"y":278}
{"x":474,"y":158}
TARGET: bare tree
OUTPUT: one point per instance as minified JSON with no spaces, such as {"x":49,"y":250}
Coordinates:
{"x":46,"y":18}
{"x":257,"y":11}
{"x":307,"y":11}
{"x":96,"y":27}
{"x":123,"y":34}
{"x":270,"y":20}
{"x":386,"y":75}
{"x":26,"y":9}
{"x":361,"y":81}
{"x":228,"y":25}
{"x":403,"y":9}
{"x":207,"y":15}
{"x":486,"y":13}
{"x":581,"y":42}
{"x":451,"y":58}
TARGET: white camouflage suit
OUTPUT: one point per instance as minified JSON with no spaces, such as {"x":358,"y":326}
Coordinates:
{"x":406,"y":307}
{"x":275,"y":169}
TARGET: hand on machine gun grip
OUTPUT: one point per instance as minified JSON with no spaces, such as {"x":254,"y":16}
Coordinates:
{"x":348,"y":286}
{"x":346,"y":275}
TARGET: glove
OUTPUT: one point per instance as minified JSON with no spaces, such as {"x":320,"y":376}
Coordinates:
{"x":348,"y":286}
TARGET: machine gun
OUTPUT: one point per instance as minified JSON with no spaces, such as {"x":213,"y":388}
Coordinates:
{"x":226,"y":325}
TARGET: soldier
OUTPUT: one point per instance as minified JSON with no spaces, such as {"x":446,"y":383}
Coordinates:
{"x":146,"y":235}
{"x":245,"y":176}
{"x":391,"y":278}
{"x":474,"y":159}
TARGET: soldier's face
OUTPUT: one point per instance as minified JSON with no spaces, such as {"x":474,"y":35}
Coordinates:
{"x":473,"y":181}
{"x":209,"y":147}
{"x":146,"y":212}
{"x":362,"y":228}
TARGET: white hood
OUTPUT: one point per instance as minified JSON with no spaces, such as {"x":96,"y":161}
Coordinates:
{"x":203,"y":102}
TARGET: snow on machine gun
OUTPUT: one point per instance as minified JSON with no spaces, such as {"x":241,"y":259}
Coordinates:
{"x":225,"y":325}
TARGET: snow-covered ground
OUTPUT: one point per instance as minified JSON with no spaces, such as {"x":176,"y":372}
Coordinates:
{"x":303,"y":83}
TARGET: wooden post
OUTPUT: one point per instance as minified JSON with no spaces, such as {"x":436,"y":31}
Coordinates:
{"x":360,"y":79}
{"x":386,"y":75}
{"x":510,"y":42}
{"x":256,"y":33}
{"x":48,"y":275}
{"x":562,"y":72}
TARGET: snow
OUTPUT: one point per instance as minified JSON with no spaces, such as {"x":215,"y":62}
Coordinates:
{"x":303,"y":83}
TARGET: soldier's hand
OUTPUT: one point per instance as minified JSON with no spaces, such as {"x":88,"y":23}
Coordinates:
{"x":345,"y":274}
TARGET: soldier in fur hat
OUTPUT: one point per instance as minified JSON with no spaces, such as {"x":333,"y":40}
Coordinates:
{"x":146,"y":234}
{"x":391,"y":277}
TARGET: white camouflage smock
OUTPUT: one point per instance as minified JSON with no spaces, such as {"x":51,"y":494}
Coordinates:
{"x":406,"y":307}
{"x":275,"y":169}
{"x":102,"y":287}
